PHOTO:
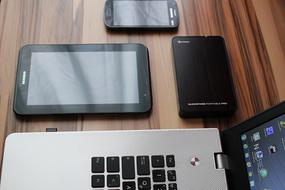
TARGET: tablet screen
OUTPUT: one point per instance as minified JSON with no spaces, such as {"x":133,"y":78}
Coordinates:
{"x":264,"y":154}
{"x":72,"y":78}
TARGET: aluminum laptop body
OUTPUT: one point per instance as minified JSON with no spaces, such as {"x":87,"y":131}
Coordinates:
{"x":188,"y":159}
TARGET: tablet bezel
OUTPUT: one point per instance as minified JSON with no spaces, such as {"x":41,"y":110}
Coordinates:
{"x":22,"y":82}
{"x":232,"y":146}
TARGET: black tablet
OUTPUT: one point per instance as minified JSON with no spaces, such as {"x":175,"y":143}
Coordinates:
{"x":70,"y":79}
{"x":256,"y":151}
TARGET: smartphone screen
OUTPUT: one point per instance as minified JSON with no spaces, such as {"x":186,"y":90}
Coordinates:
{"x":141,"y":14}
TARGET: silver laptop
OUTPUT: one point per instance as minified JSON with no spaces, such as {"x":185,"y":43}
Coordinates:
{"x":249,"y":156}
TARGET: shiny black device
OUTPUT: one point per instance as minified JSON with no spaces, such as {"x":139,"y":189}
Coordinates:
{"x":70,"y":79}
{"x":141,"y":14}
{"x":256,"y":151}
{"x":203,"y":76}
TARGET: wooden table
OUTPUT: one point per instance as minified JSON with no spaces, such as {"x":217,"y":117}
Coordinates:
{"x":257,"y":73}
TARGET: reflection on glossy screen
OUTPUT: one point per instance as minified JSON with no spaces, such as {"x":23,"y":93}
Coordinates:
{"x":66,"y":78}
{"x":141,"y":13}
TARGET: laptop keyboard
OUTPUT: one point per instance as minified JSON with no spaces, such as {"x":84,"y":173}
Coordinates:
{"x":134,"y":173}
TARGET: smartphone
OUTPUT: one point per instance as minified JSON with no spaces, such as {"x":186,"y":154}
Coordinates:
{"x":141,"y":14}
{"x":203,"y":76}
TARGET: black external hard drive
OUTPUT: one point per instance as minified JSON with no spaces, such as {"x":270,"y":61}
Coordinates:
{"x":203,"y":77}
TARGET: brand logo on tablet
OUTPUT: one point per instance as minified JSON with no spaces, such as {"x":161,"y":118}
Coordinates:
{"x":183,"y":41}
{"x":24,"y":77}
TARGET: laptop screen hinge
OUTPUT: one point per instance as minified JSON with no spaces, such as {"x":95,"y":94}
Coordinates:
{"x":222,"y":161}
{"x":51,"y":130}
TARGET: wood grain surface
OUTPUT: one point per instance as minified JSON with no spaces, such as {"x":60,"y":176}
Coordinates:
{"x":271,"y":14}
{"x":258,"y":82}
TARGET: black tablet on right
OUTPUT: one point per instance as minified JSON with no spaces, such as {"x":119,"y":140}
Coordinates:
{"x":203,"y":76}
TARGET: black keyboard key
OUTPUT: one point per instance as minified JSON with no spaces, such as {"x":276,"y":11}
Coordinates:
{"x":171,"y":175}
{"x":157,"y":161}
{"x":170,"y":161}
{"x":143,"y":165}
{"x":159,"y":187}
{"x":113,"y":180}
{"x":97,"y":165}
{"x":144,"y":183}
{"x":129,"y":185}
{"x":128,"y":167}
{"x":97,"y":181}
{"x":158,"y":175}
{"x":172,"y":186}
{"x":113,"y":164}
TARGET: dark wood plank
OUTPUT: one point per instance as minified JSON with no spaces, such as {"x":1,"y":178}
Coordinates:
{"x":270,"y":14}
